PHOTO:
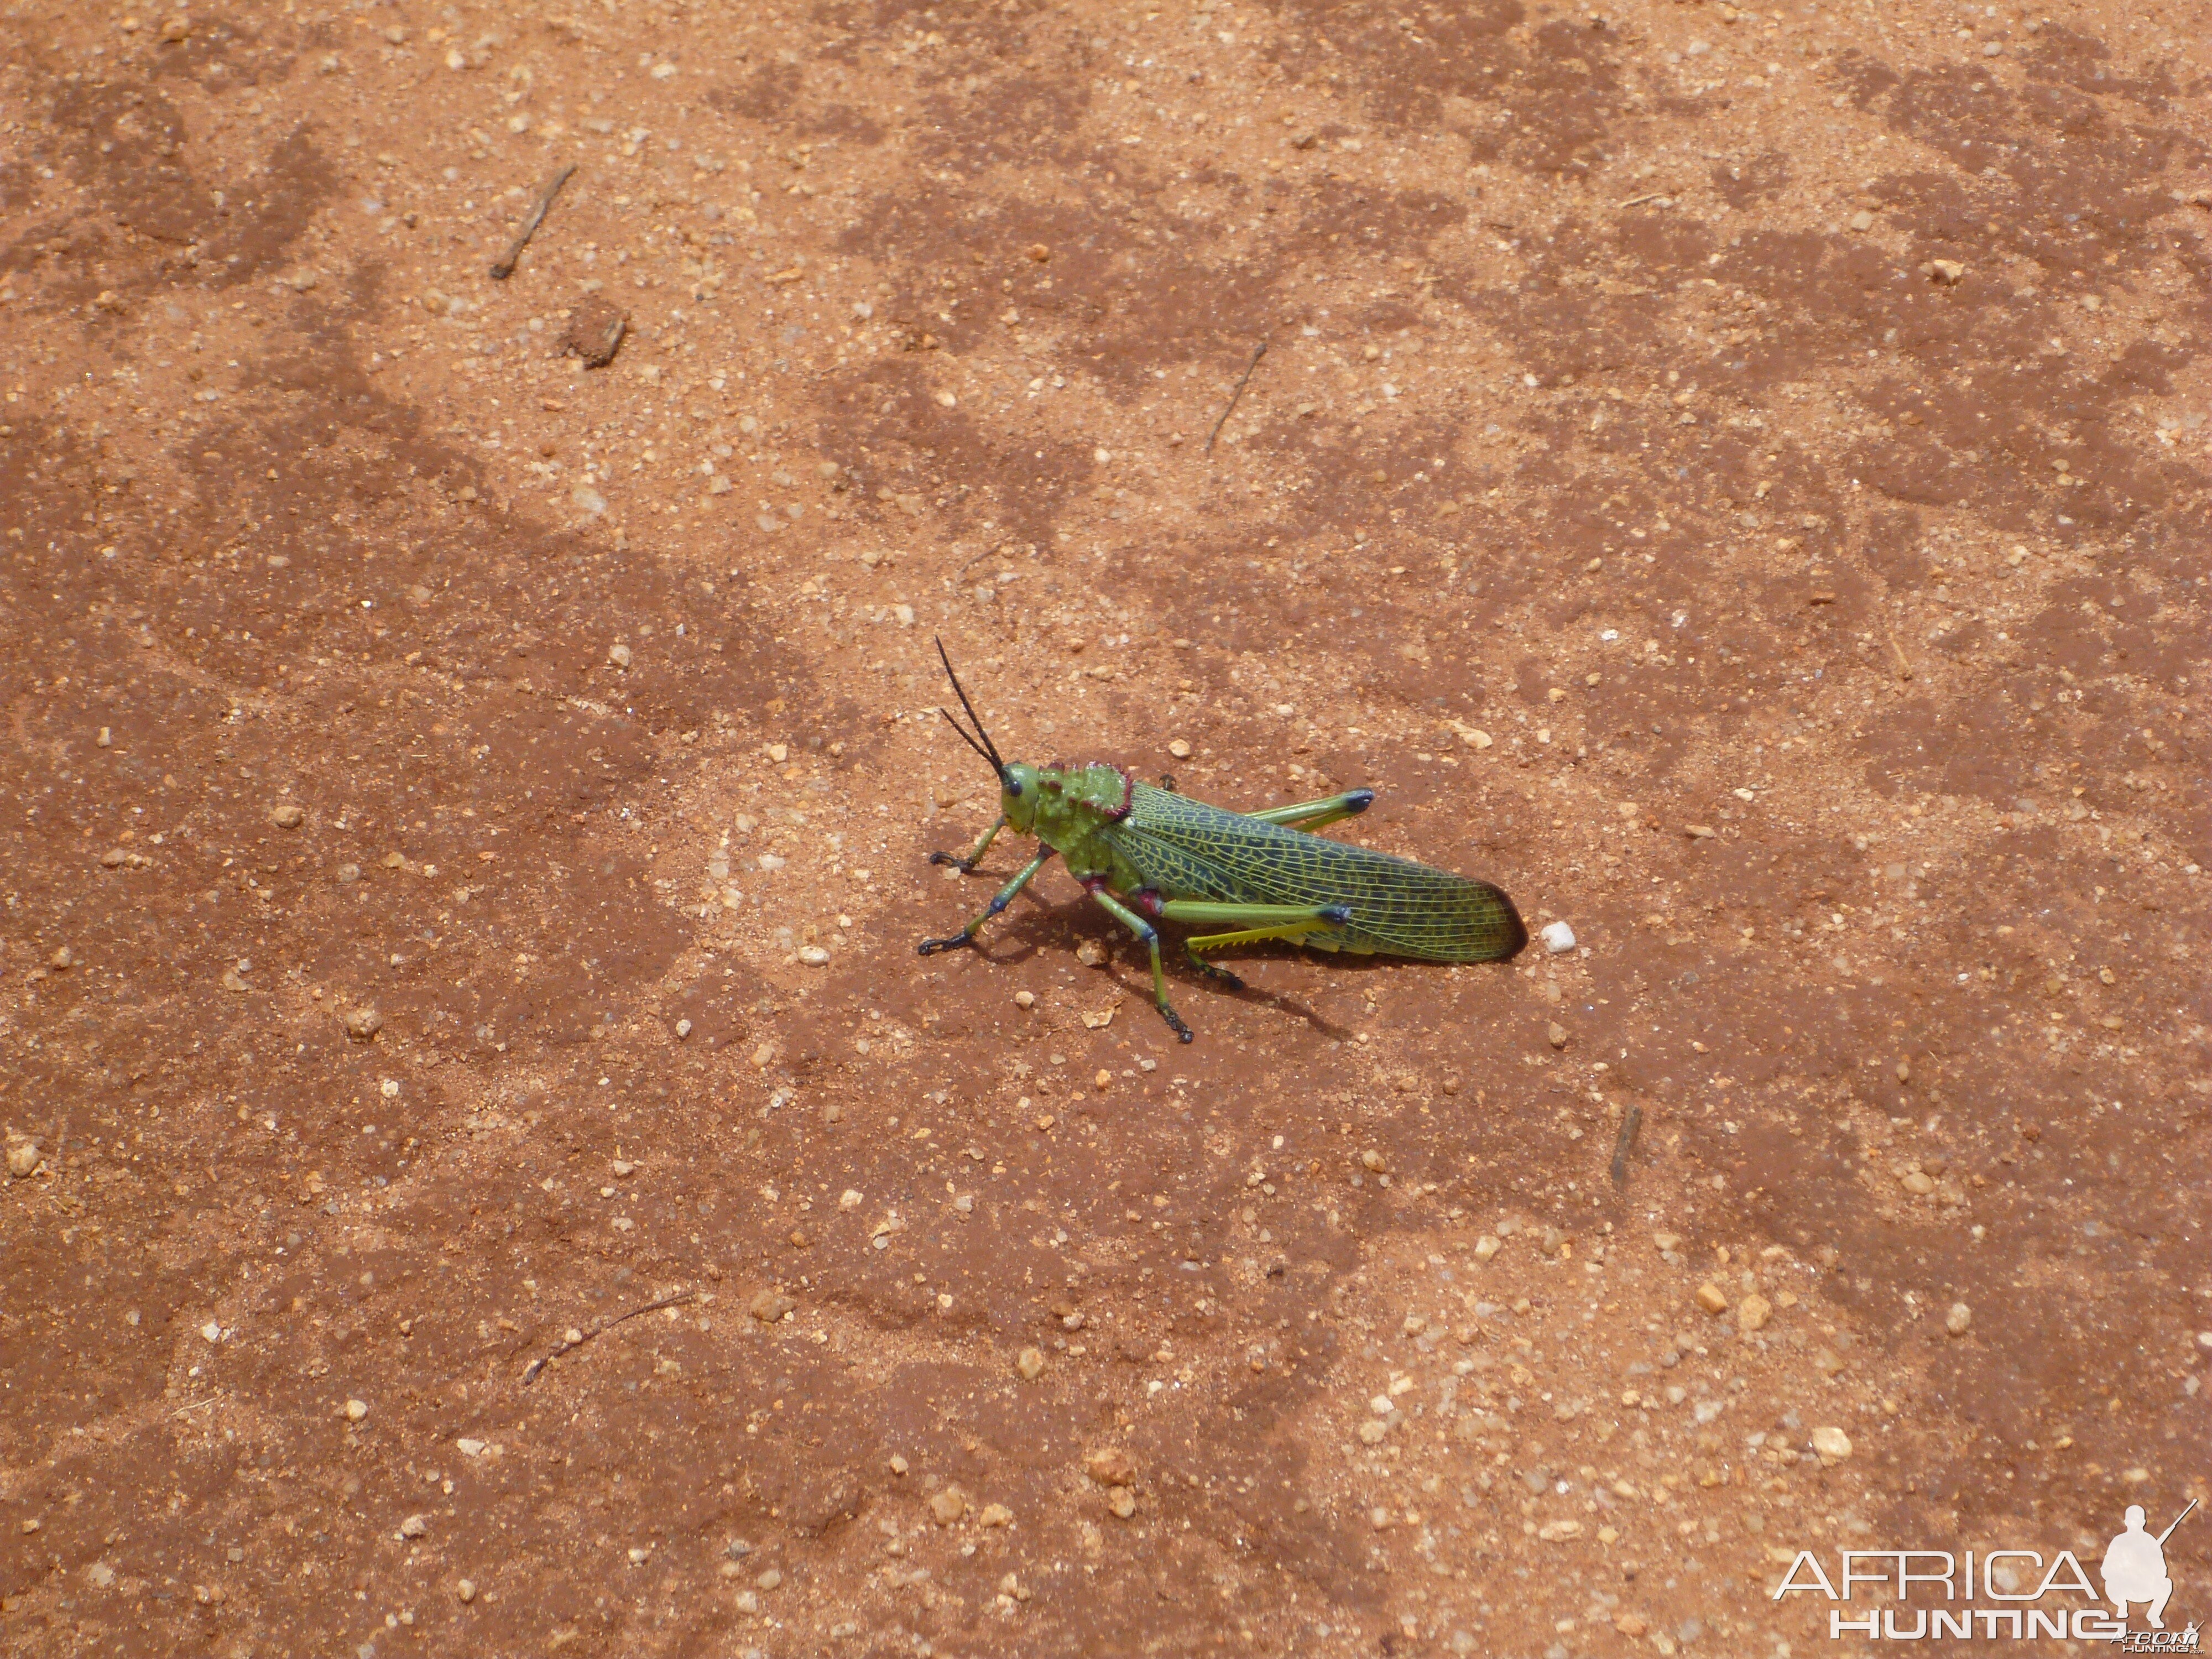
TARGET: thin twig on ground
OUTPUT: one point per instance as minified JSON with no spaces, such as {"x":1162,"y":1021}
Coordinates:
{"x":1622,"y":1145}
{"x":531,"y":220}
{"x":530,"y":1371}
{"x":1258,"y":352}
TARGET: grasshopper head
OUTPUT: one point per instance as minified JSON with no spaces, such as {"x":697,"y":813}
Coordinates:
{"x":1020,"y":786}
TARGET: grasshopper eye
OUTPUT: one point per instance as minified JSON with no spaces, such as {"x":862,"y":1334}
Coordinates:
{"x":1014,"y":786}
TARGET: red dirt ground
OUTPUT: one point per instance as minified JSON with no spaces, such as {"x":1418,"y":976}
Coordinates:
{"x":1738,"y":480}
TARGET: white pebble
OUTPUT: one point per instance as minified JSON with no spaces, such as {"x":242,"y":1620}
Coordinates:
{"x":814,"y":956}
{"x":1558,"y":937}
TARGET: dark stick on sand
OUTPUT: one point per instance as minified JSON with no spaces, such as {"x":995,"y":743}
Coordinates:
{"x":534,"y":218}
{"x":1258,"y":352}
{"x":530,"y":1371}
{"x":1629,"y":1125}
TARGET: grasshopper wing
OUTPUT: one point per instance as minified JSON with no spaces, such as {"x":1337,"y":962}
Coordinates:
{"x":1188,"y":849}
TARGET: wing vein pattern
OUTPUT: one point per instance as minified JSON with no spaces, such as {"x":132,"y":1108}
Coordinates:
{"x":1188,"y":849}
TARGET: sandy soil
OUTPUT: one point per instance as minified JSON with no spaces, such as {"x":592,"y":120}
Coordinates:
{"x":1737,"y":480}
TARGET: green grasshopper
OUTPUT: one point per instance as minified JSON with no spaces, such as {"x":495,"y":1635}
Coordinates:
{"x":1150,"y":855}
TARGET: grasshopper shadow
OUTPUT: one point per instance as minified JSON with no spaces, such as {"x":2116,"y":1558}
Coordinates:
{"x":1060,"y":930}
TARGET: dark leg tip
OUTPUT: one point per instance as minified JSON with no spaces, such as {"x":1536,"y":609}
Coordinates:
{"x":965,"y":867}
{"x":930,"y":947}
{"x":1358,"y":800}
{"x":1338,"y":914}
{"x":1175,"y":1021}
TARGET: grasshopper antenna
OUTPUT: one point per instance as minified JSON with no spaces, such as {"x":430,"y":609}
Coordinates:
{"x":980,"y":743}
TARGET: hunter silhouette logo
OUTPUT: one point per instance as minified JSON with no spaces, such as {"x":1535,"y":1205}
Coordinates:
{"x":2135,"y":1566}
{"x":2001,"y":1595}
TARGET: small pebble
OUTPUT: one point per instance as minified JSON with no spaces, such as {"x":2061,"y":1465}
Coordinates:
{"x":1752,"y":1313}
{"x":1179,"y":749}
{"x":1557,"y":1034}
{"x":769,"y":1579}
{"x":619,"y":655}
{"x":1373,"y":1161}
{"x":1110,"y":1466}
{"x":1103,"y":1081}
{"x":899,"y":1465}
{"x":769,"y":1306}
{"x":596,"y":326}
{"x":1030,"y":1363}
{"x":1025,"y":999}
{"x":1959,"y":1320}
{"x":211,"y":1332}
{"x":1122,"y":1503}
{"x":1091,"y":953}
{"x":355,"y":1410}
{"x":996,"y":1515}
{"x":1488,"y":1246}
{"x":1832,"y":1443}
{"x":1713,"y":1299}
{"x":948,"y":1504}
{"x":414,"y":1526}
{"x":469,"y":1447}
{"x":1558,"y":937}
{"x":289,"y":815}
{"x":814,"y":956}
{"x":62,"y":960}
{"x":683,"y":1030}
{"x":22,"y":1158}
{"x":363,"y":1024}
{"x":467,"y":1590}
{"x":849,"y":1200}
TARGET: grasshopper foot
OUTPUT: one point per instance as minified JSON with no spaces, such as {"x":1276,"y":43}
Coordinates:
{"x":965,"y":867}
{"x":930,"y":947}
{"x":1175,"y":1021}
{"x":1218,"y":975}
